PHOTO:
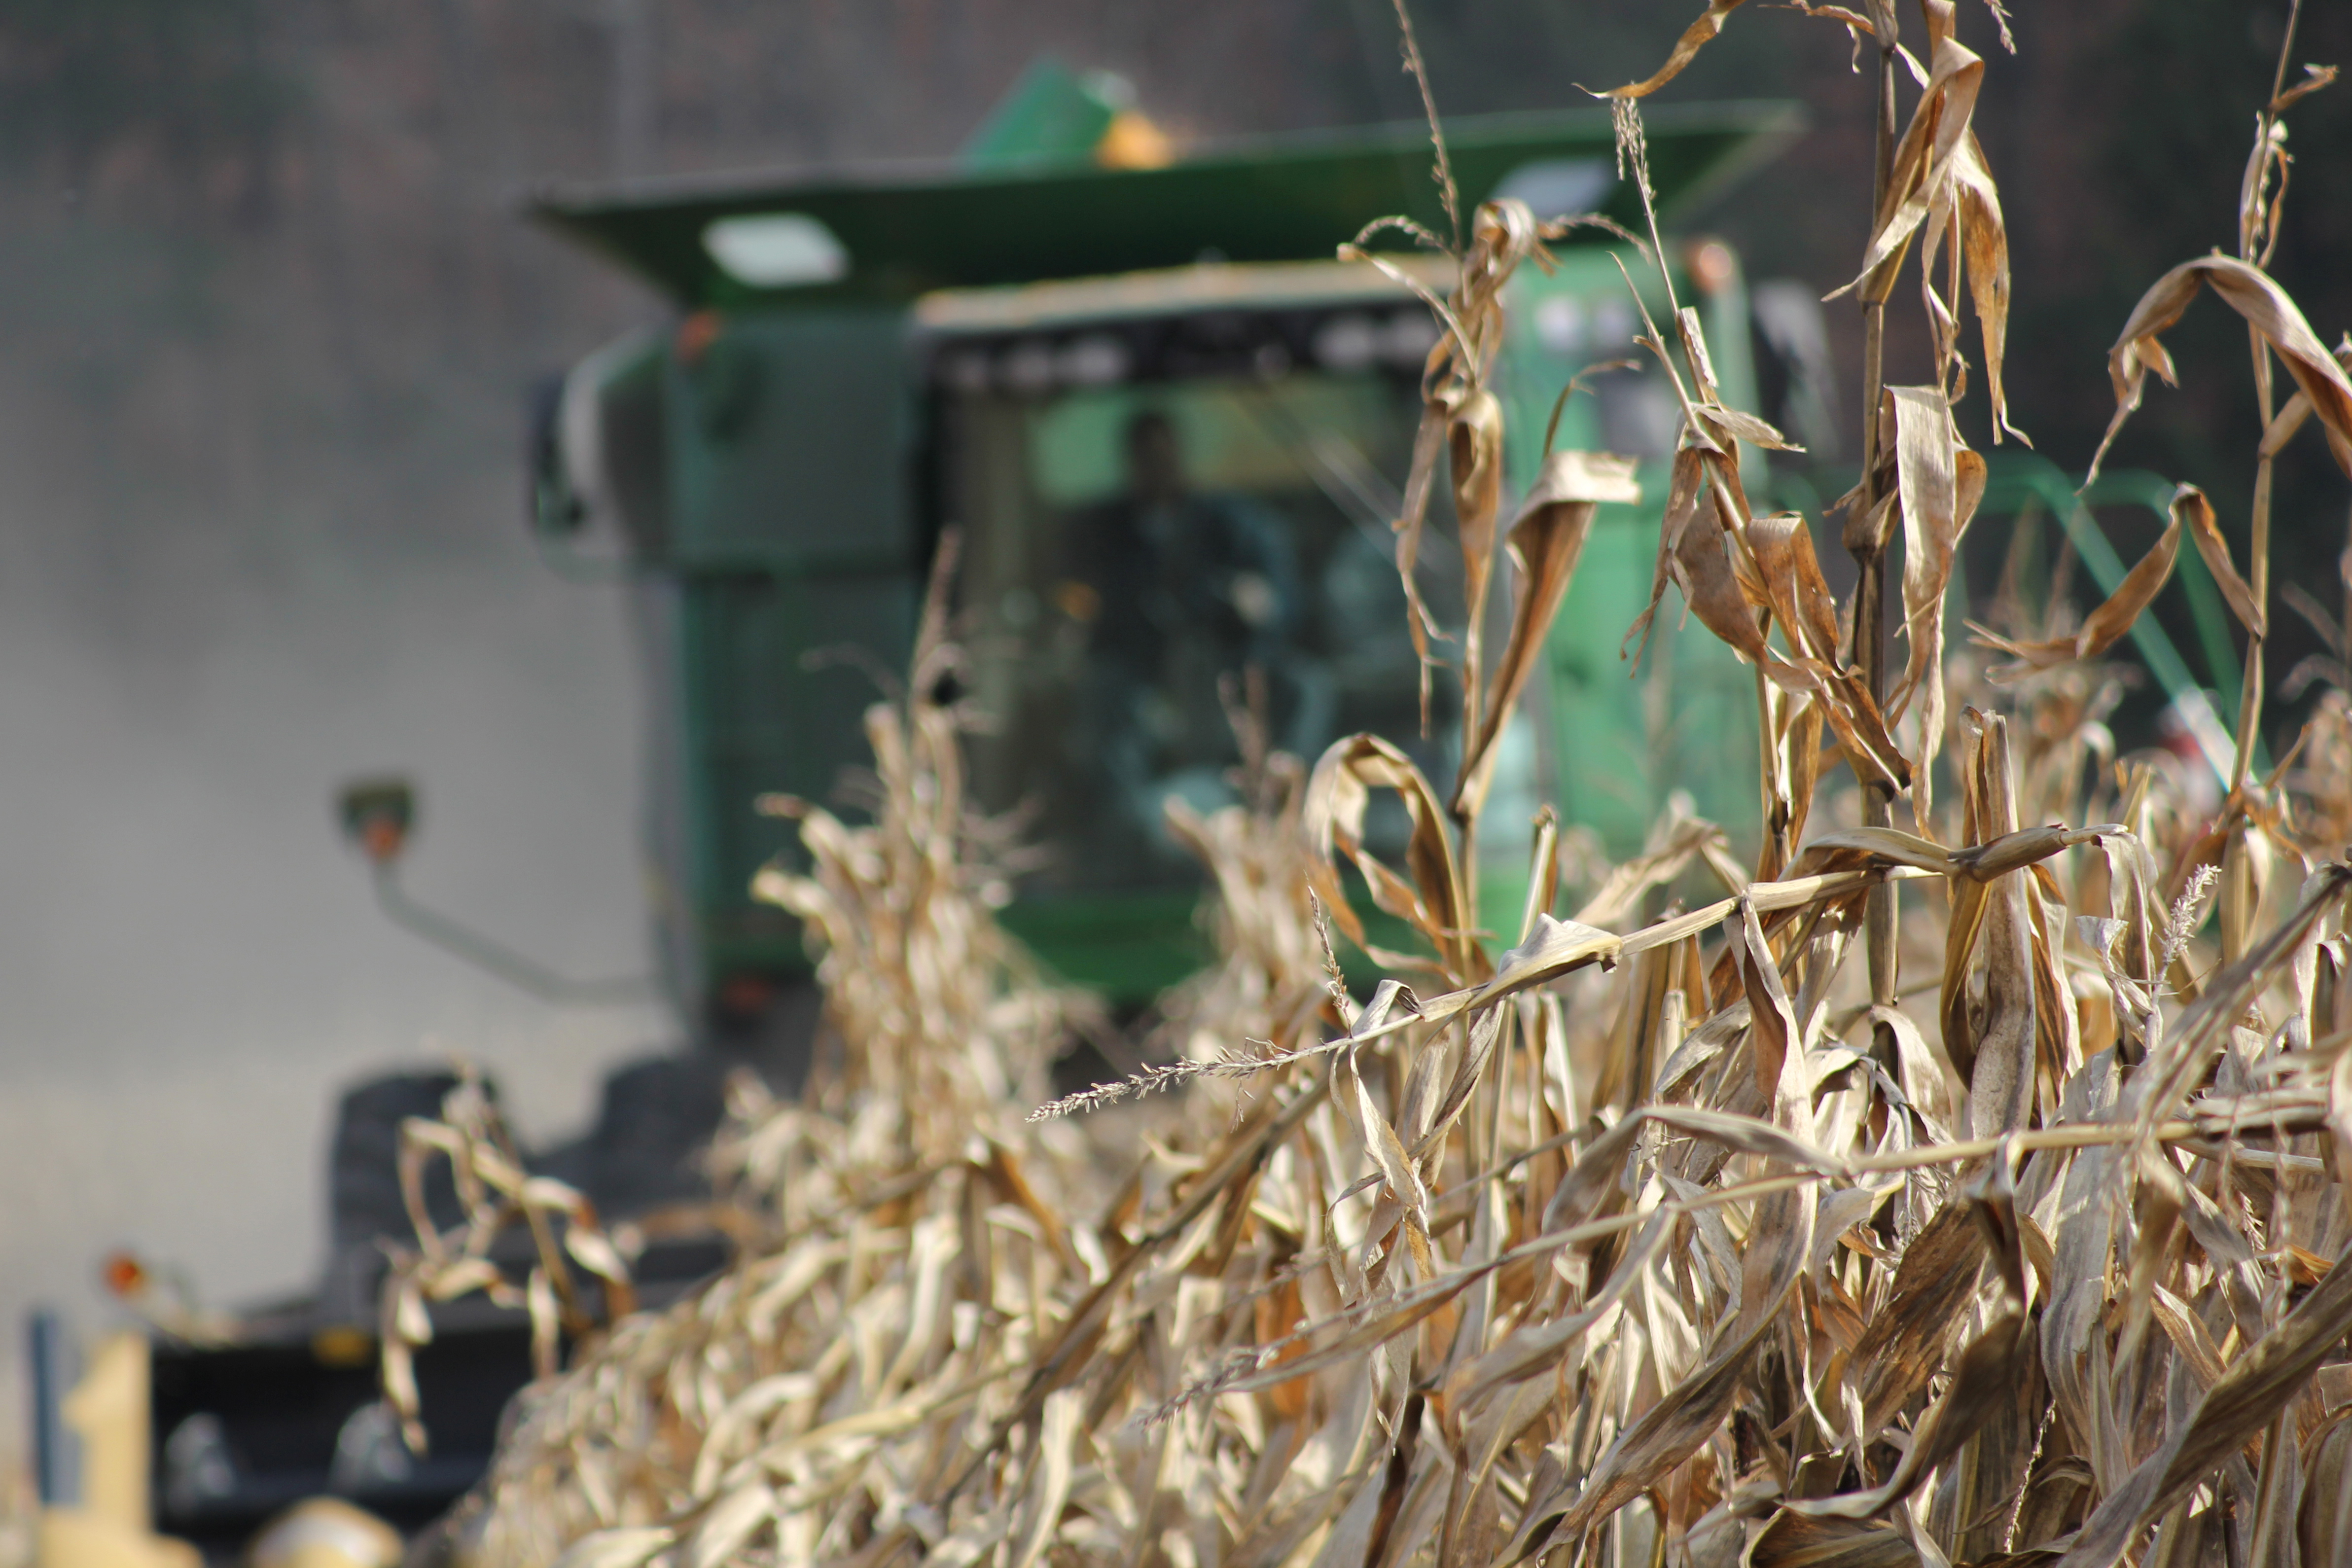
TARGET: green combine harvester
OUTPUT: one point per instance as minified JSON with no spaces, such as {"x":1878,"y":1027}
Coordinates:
{"x":1169,"y":429}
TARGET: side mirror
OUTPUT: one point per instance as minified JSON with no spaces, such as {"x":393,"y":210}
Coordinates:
{"x":377,"y":815}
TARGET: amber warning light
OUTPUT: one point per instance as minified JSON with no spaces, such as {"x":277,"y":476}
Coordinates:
{"x":377,"y":815}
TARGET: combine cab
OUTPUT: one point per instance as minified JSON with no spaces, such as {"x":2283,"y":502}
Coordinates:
{"x":1169,"y":428}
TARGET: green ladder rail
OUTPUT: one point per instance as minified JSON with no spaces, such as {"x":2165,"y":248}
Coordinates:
{"x":2012,"y":481}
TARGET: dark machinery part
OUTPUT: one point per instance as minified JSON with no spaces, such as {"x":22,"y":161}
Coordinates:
{"x":293,"y":1409}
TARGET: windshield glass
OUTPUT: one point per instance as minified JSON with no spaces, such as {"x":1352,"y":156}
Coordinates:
{"x":1138,"y":557}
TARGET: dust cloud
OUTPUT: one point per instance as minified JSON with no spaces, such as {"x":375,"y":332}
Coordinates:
{"x":190,"y":961}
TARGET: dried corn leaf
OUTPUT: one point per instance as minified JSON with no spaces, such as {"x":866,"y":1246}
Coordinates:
{"x":2104,"y":626}
{"x":2248,"y":1394}
{"x":1474,"y":439}
{"x":1685,"y":482}
{"x":2190,"y":501}
{"x":1695,"y":36}
{"x":1684,"y":1417}
{"x":1337,"y":794}
{"x":1999,"y":1041}
{"x":1553,"y":948}
{"x":1934,"y":1289}
{"x":1712,"y":588}
{"x":1939,"y":482}
{"x":1429,"y":441}
{"x":1795,"y":1540}
{"x":1925,"y":159}
{"x":729,"y":1524}
{"x":1799,"y":595}
{"x":1983,"y":245}
{"x":1546,"y":542}
{"x":2267,"y":309}
{"x":1983,"y":1378}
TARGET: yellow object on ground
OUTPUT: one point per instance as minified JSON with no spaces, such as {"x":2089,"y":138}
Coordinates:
{"x":325,"y":1532}
{"x":85,"y":1538}
{"x":109,"y":1410}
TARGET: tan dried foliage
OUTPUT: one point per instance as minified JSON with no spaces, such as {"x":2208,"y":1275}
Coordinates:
{"x":1643,"y":1236}
{"x":576,"y":1278}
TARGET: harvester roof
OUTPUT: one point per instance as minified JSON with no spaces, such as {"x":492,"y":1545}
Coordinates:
{"x":894,"y":232}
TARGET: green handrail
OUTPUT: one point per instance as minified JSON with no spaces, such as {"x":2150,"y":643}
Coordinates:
{"x":2011,"y":481}
{"x":2012,"y":477}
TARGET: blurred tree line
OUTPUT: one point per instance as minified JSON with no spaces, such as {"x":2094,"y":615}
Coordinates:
{"x":269,"y":297}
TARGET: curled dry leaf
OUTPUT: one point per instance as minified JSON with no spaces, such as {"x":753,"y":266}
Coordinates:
{"x":2188,"y":501}
{"x":2267,"y":308}
{"x":1475,"y":441}
{"x":1928,"y":157}
{"x":1431,"y":895}
{"x":2104,"y":626}
{"x":1981,"y":244}
{"x":1695,"y":36}
{"x":1938,"y":483}
{"x":1546,"y":542}
{"x":1995,"y":1036}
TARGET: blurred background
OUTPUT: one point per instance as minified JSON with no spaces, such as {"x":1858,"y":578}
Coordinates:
{"x":268,"y":322}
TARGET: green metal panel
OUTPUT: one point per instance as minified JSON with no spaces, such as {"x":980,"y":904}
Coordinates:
{"x":1617,"y":740}
{"x":1052,"y":114}
{"x":910,"y":230}
{"x":791,"y":528}
{"x":791,"y":444}
{"x":765,"y":721}
{"x":1130,"y":948}
{"x":795,"y":560}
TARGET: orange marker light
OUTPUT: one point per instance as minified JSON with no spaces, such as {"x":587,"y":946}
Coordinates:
{"x":1712,"y":266}
{"x":125,"y":1276}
